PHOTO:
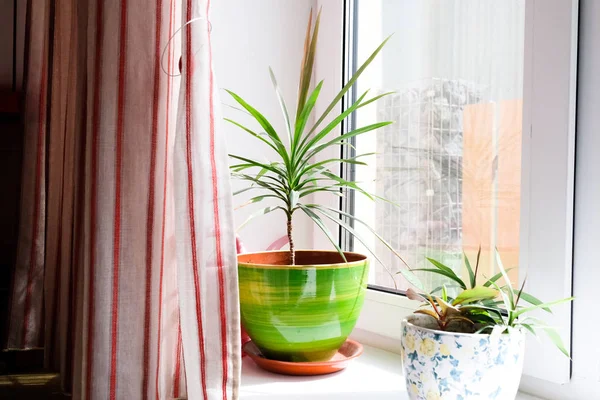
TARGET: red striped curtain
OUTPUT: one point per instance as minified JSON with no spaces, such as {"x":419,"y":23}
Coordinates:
{"x":126,"y":268}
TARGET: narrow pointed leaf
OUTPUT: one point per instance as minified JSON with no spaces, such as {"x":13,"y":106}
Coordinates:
{"x":469,"y":270}
{"x":307,"y":65}
{"x":266,"y":125}
{"x":495,"y":278}
{"x":534,"y":301}
{"x":343,"y":137}
{"x":304,"y":116}
{"x":284,"y":111}
{"x":373,"y":99}
{"x":256,"y":135}
{"x":522,"y":311}
{"x":408,"y":275}
{"x":556,"y":339}
{"x":262,"y":211}
{"x":510,"y":290}
{"x":356,"y":219}
{"x":350,"y":82}
{"x":530,"y":329}
{"x":335,"y":122}
{"x":443,"y":273}
{"x":259,"y":164}
{"x":319,"y":222}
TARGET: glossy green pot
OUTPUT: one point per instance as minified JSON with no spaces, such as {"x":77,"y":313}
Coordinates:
{"x":301,"y":312}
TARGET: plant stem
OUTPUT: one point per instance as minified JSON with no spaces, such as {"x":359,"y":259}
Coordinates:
{"x":291,"y":240}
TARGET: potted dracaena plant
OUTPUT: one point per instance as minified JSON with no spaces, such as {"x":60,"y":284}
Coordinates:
{"x":470,"y":346}
{"x":301,"y":305}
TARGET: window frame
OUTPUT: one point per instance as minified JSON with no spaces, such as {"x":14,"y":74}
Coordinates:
{"x":550,"y":78}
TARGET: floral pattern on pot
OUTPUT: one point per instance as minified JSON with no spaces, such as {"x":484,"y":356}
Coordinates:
{"x":457,"y":366}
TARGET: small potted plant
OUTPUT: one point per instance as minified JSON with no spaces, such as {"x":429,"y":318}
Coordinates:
{"x":471,"y":345}
{"x":301,"y":305}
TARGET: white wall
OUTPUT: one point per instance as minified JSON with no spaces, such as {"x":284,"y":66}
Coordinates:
{"x":248,"y":37}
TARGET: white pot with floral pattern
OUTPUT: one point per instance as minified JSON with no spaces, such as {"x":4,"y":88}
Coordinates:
{"x":460,"y":366}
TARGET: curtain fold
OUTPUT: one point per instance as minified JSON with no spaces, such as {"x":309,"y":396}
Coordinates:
{"x":126,"y":270}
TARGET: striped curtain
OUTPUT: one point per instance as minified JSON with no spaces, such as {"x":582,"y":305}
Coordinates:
{"x":126,"y":269}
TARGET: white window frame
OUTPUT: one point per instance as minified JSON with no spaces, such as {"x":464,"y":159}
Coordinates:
{"x":548,"y":164}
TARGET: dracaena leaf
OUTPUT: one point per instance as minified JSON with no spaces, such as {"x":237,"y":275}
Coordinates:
{"x":260,"y":212}
{"x":350,"y":83}
{"x":284,"y":111}
{"x":319,"y":222}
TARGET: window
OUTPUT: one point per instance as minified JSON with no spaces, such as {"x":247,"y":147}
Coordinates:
{"x":548,"y":51}
{"x":451,"y":162}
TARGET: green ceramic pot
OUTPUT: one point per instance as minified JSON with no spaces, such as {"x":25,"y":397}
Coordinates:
{"x":301,"y":312}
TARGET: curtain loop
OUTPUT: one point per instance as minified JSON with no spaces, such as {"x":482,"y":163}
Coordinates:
{"x":162,"y":55}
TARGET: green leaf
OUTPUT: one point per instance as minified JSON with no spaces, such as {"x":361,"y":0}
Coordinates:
{"x":444,"y":273}
{"x":507,"y":303}
{"x":260,"y":165}
{"x":343,"y":137}
{"x":477,"y":293}
{"x":256,"y":199}
{"x":477,"y":262}
{"x":444,"y":293}
{"x":284,"y":111}
{"x":379,"y":237}
{"x":256,"y":135}
{"x":483,"y":319}
{"x":533,"y":300}
{"x":556,"y":339}
{"x":349,"y":84}
{"x":371,"y":100}
{"x":448,"y":271}
{"x":409,"y":276}
{"x":470,"y":270}
{"x":304,"y":147}
{"x":262,"y":211}
{"x":319,"y":222}
{"x":522,"y":311}
{"x":353,"y":160}
{"x":345,"y":183}
{"x":265,"y":186}
{"x":266,"y":125}
{"x":510,"y":290}
{"x":530,"y":329}
{"x":477,"y":307}
{"x":495,"y":278}
{"x":244,"y":190}
{"x":303,"y":118}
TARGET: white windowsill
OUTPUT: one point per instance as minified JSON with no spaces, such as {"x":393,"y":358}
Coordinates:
{"x":376,"y":374}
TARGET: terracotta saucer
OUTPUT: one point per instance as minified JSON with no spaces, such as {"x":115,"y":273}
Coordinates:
{"x":349,"y":350}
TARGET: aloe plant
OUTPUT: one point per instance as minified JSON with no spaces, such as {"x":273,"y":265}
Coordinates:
{"x":293,"y":176}
{"x":486,"y":307}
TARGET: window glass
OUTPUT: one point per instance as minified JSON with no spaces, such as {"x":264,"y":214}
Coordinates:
{"x":451,"y":162}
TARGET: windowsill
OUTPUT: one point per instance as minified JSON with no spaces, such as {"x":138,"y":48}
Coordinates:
{"x":376,"y":374}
